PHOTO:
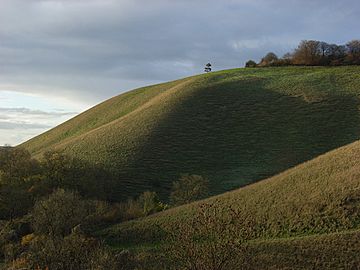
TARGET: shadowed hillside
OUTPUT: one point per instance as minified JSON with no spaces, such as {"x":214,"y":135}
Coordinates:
{"x":307,"y":217}
{"x":234,"y":127}
{"x":319,"y":196}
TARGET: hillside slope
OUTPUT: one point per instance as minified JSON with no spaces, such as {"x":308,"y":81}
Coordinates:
{"x":234,"y":127}
{"x":318,"y":197}
{"x":326,"y":251}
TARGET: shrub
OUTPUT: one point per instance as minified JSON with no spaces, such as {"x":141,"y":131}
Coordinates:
{"x":147,"y":203}
{"x":150,"y":203}
{"x":189,"y":188}
{"x":62,"y":171}
{"x":269,"y":59}
{"x":16,"y":164}
{"x":59,"y":213}
{"x":15,"y":201}
{"x":250,"y":64}
{"x":25,"y":240}
{"x":74,"y":252}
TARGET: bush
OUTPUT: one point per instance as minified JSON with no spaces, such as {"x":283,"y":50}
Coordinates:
{"x":250,"y":64}
{"x":74,"y":252}
{"x":62,"y":171}
{"x":16,"y":164}
{"x":146,"y":204}
{"x":15,"y":201}
{"x":189,"y":188}
{"x":269,"y":59}
{"x":58,"y":214}
{"x":150,"y":203}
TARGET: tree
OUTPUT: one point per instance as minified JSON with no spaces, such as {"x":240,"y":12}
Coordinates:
{"x":209,"y":240}
{"x":16,"y":176}
{"x":269,"y":59}
{"x":307,"y":53}
{"x":250,"y":64}
{"x":58,"y":214}
{"x":150,"y":203}
{"x":15,"y":201}
{"x":63,"y":171}
{"x":189,"y":188}
{"x":207,"y":67}
{"x":73,"y":252}
{"x":353,"y":48}
{"x":16,"y":164}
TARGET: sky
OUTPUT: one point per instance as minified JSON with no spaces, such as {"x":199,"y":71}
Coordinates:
{"x":61,"y":57}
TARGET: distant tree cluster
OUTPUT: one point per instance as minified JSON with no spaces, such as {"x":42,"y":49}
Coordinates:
{"x":314,"y":53}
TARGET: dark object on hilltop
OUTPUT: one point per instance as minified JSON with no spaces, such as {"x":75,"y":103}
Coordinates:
{"x":207,"y":67}
{"x":250,"y":64}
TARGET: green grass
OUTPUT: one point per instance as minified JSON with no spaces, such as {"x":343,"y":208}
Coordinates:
{"x":307,"y":217}
{"x":327,"y":251}
{"x":234,"y":127}
{"x":319,"y":196}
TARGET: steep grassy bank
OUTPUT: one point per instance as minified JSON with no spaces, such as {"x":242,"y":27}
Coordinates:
{"x":327,"y":251}
{"x":319,"y":196}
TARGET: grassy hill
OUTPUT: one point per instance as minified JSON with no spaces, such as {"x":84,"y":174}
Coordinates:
{"x":307,"y":217}
{"x":234,"y":127}
{"x":319,"y":196}
{"x":326,"y":251}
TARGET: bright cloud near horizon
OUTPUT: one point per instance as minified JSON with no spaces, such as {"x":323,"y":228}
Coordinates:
{"x":60,"y":57}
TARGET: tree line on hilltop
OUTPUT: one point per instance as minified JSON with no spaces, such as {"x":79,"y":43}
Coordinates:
{"x":314,"y":53}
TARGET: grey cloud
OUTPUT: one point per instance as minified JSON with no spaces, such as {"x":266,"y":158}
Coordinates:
{"x":91,"y":50}
{"x":28,"y":111}
{"x":21,"y":125}
{"x":4,"y":117}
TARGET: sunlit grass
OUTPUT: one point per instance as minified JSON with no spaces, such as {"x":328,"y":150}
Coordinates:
{"x":319,"y":196}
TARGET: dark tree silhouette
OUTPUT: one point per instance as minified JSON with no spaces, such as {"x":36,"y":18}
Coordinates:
{"x":207,"y":67}
{"x":250,"y":64}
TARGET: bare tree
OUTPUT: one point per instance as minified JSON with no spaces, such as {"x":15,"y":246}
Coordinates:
{"x":269,"y":59}
{"x":307,"y":53}
{"x":354,"y":51}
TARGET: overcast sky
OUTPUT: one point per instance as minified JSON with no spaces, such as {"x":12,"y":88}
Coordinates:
{"x":59,"y":57}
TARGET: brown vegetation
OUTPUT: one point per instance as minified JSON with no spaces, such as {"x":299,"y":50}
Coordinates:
{"x":315,"y":53}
